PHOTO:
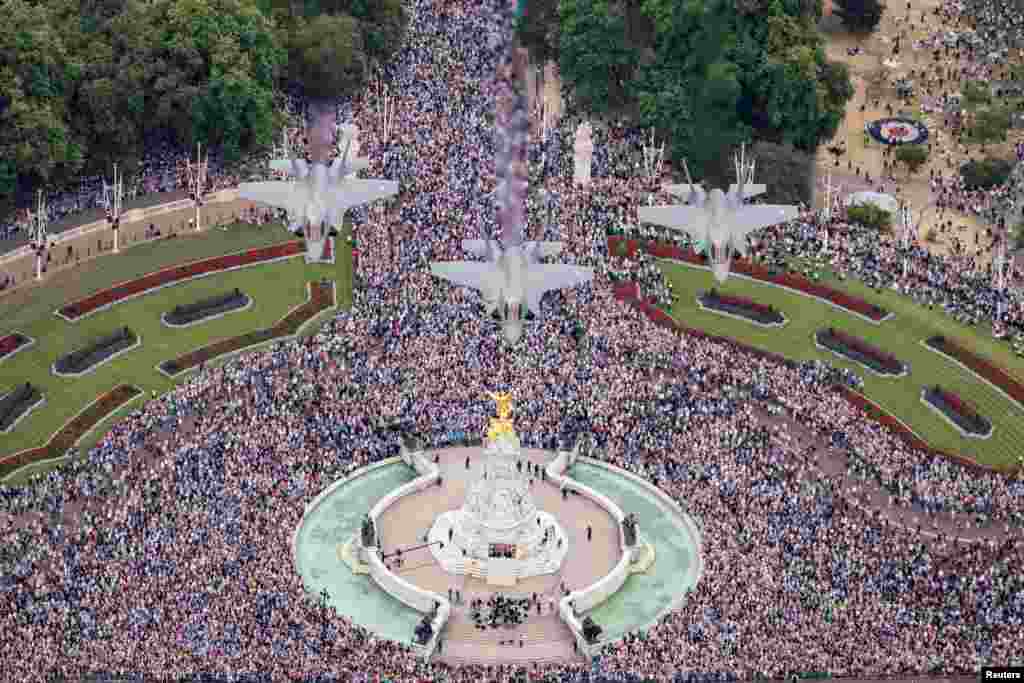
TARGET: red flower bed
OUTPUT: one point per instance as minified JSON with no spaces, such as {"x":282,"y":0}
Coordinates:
{"x":84,"y":307}
{"x":743,"y":302}
{"x":757,"y":272}
{"x":887,"y":360}
{"x":984,"y":368}
{"x":11,"y":343}
{"x":74,"y":430}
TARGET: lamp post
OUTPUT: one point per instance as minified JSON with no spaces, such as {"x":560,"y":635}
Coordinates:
{"x":40,"y":241}
{"x":653,"y":160}
{"x":386,"y":121}
{"x":113,"y":196}
{"x":197,"y":181}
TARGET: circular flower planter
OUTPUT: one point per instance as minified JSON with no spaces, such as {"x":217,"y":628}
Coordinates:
{"x":898,"y":131}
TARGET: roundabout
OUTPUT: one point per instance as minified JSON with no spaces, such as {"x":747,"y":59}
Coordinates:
{"x":390,"y":588}
{"x":898,"y":131}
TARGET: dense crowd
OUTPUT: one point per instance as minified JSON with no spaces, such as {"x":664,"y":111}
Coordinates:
{"x":185,"y":565}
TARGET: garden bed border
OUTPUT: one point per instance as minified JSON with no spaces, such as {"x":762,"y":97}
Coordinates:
{"x":38,"y":404}
{"x":70,"y":420}
{"x":92,"y":368}
{"x":27,"y":345}
{"x":191,"y":278}
{"x":952,"y":422}
{"x":785,"y":320}
{"x":200,"y":321}
{"x":924,"y":343}
{"x":885,"y":375}
{"x":283,"y":338}
{"x":888,"y":316}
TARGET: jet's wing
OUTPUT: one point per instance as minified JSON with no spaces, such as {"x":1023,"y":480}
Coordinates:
{"x":545,"y":277}
{"x":747,"y":219}
{"x":278,"y":193}
{"x":688,"y":218}
{"x":750,"y":189}
{"x":356,"y":192}
{"x":472,"y":274}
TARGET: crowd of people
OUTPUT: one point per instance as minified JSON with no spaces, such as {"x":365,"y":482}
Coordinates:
{"x":167,"y":548}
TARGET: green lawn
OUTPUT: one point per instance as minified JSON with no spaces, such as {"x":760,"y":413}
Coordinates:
{"x":275,"y":288}
{"x":900,"y":335}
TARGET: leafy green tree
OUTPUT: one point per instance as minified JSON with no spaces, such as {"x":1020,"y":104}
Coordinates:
{"x":912,"y":157}
{"x":976,"y":94}
{"x":870,"y":216}
{"x":35,"y":75}
{"x":594,"y":57}
{"x":538,"y":29}
{"x":859,"y":16}
{"x":990,"y":125}
{"x":326,"y":56}
{"x":787,"y":172}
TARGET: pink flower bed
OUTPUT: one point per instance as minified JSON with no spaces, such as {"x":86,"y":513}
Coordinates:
{"x":124,"y":290}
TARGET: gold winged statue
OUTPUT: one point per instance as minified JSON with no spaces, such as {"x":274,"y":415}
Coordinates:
{"x":503,"y":423}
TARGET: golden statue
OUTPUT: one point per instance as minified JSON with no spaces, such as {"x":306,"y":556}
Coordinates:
{"x":502,"y":424}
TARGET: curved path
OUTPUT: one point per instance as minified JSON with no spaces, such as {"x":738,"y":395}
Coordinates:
{"x":869,"y":496}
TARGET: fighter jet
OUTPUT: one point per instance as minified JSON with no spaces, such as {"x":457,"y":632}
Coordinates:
{"x":512,"y":280}
{"x":320,"y":194}
{"x":720,"y":220}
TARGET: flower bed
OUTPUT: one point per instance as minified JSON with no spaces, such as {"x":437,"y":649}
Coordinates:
{"x":756,"y":272}
{"x":741,"y":307}
{"x":859,"y":351}
{"x":161,"y":278}
{"x":73,"y":431}
{"x":215,"y":306}
{"x":103,"y":349}
{"x":963,"y":415}
{"x":906,"y":435}
{"x":10,"y":344}
{"x":17,"y":402}
{"x":979,"y":366}
{"x":321,"y":297}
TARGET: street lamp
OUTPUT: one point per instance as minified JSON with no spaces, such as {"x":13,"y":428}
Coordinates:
{"x":113,"y":195}
{"x":40,"y":240}
{"x":197,"y":181}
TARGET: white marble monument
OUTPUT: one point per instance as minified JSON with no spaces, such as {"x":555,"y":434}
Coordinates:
{"x":583,"y":154}
{"x":499,"y":534}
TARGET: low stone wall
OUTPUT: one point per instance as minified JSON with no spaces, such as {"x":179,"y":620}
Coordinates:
{"x":593,"y":595}
{"x":392,"y":584}
{"x":88,"y":241}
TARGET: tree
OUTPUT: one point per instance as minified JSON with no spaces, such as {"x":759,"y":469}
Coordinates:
{"x":859,"y":16}
{"x":593,"y":56}
{"x":912,"y":157}
{"x":870,"y":216}
{"x":990,"y":125}
{"x":326,"y":56}
{"x":788,"y":173}
{"x":537,"y":29}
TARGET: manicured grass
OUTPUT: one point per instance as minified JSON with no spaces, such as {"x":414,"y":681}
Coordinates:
{"x":275,"y":289}
{"x":900,"y":336}
{"x":978,"y":339}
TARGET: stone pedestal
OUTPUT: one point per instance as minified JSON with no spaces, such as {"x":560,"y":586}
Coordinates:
{"x":499,"y":518}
